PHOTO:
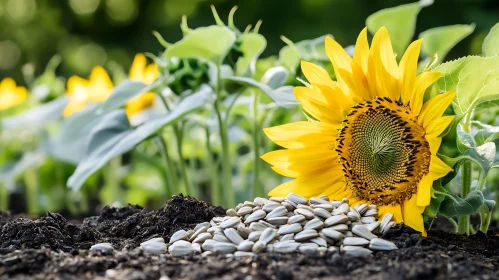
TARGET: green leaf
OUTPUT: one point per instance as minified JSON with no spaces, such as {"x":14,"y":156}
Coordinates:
{"x":310,"y":50}
{"x":432,"y":209}
{"x":10,"y":171}
{"x":113,"y":136}
{"x":462,"y":207}
{"x":212,"y":43}
{"x":37,"y":116}
{"x":124,"y":92}
{"x":441,"y":40}
{"x":465,"y":138}
{"x":490,"y":45}
{"x":475,"y":79}
{"x":487,"y":133}
{"x":400,"y":22}
{"x":283,"y":96}
{"x":275,"y":77}
{"x":252,"y":46}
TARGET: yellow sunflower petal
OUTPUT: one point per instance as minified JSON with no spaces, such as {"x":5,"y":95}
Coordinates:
{"x":412,"y":214}
{"x":437,"y":126}
{"x":341,"y":62}
{"x":362,"y":58}
{"x":387,"y":69}
{"x":424,"y":191}
{"x":77,"y":87}
{"x":316,"y":74}
{"x":423,"y":81}
{"x":435,"y":107}
{"x":314,"y":103}
{"x":302,"y":134}
{"x":139,"y":103}
{"x":7,"y":84}
{"x":74,"y":106}
{"x":137,"y":68}
{"x":101,"y":85}
{"x":151,"y":74}
{"x":434,"y":144}
{"x":438,"y":168}
{"x":409,"y":68}
{"x":396,"y":210}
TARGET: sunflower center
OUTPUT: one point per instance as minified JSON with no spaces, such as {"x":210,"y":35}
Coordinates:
{"x":383,"y":152}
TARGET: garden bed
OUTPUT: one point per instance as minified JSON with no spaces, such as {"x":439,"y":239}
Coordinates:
{"x":51,"y":247}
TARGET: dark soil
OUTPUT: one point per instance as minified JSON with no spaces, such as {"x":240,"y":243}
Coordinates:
{"x":52,"y":248}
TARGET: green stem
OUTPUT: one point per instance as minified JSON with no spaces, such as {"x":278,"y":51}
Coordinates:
{"x":451,"y":220}
{"x":230,"y":199}
{"x":216,"y":191}
{"x":111,"y":175}
{"x":170,"y":169}
{"x":31,"y":182}
{"x":4,"y":193}
{"x":464,"y":221}
{"x":257,"y":187}
{"x":183,"y":168}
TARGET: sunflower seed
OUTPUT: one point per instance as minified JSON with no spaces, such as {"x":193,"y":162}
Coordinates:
{"x":267,"y":235}
{"x":270,"y":206}
{"x":372,"y":226}
{"x":296,"y":219}
{"x":287,"y":229}
{"x":205,"y":254}
{"x":249,"y":204}
{"x":243,"y":231}
{"x":278,"y":220}
{"x":288,"y":206}
{"x":256,"y":208}
{"x":202,"y":225}
{"x":153,"y":240}
{"x":322,"y":213}
{"x":382,"y":245}
{"x":179,"y":235}
{"x":319,"y":241}
{"x":336,"y":204}
{"x":197,"y":247}
{"x":355,"y":241}
{"x":233,"y":236}
{"x":255,"y":226}
{"x":387,"y":227}
{"x":306,"y":234}
{"x":200,"y":230}
{"x":241,"y":254}
{"x":317,"y":200}
{"x":361,"y":208}
{"x":356,"y":251}
{"x":231,"y":222}
{"x":225,"y":248}
{"x":255,"y":216}
{"x":334,"y":220}
{"x":246,"y":246}
{"x":348,"y":234}
{"x":220,"y":237}
{"x":259,"y":201}
{"x":104,"y":247}
{"x":332,"y":249}
{"x":302,"y":206}
{"x":286,"y":247}
{"x":308,"y":248}
{"x":181,"y":248}
{"x":353,"y":215}
{"x":363,"y":231}
{"x":328,"y":240}
{"x":267,"y":224}
{"x":325,"y":197}
{"x":202,"y":237}
{"x":277,"y":199}
{"x":370,"y":213}
{"x":368,"y":220}
{"x":341,"y":228}
{"x":297,"y":199}
{"x":308,"y":214}
{"x":286,"y":237}
{"x":385,"y":220}
{"x":231,"y":212}
{"x":315,"y":223}
{"x":331,"y":233}
{"x":258,"y":247}
{"x":343,"y":209}
{"x":209,"y":245}
{"x":280,"y":211}
{"x":328,"y":207}
{"x":244,"y":211}
{"x":255,"y":235}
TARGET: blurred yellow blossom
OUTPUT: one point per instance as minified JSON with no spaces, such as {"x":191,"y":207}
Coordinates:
{"x":10,"y":94}
{"x":147,"y":74}
{"x":81,"y":92}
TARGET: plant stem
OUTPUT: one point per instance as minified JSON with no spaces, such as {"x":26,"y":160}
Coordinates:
{"x":257,"y":187}
{"x":230,"y":199}
{"x":464,"y":221}
{"x":170,"y":171}
{"x":183,"y":168}
{"x":31,"y":182}
{"x":216,"y":191}
{"x":111,"y":176}
{"x":4,"y":193}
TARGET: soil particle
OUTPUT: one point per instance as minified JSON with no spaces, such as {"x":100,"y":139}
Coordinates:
{"x":62,"y":253}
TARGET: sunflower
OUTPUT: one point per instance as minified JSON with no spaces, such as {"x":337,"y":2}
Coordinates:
{"x":10,"y":94}
{"x":146,"y":74}
{"x":370,"y":138}
{"x":81,"y":92}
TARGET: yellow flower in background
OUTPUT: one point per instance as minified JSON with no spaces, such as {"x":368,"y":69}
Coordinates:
{"x":147,"y":74}
{"x":81,"y":92}
{"x":10,"y":94}
{"x":374,"y":140}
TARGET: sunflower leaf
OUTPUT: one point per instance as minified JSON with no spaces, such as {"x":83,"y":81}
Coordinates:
{"x":124,"y":92}
{"x":475,"y":79}
{"x":465,"y":138}
{"x":456,"y":206}
{"x":252,"y":46}
{"x":490,"y":45}
{"x":400,"y":22}
{"x":487,"y":133}
{"x":441,"y":40}
{"x":37,"y":116}
{"x":310,"y":50}
{"x":432,"y":209}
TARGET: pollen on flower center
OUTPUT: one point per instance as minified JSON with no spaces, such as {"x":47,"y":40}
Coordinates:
{"x":383,"y":151}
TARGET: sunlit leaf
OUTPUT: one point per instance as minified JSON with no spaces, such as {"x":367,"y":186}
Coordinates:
{"x":37,"y":116}
{"x":113,"y":136}
{"x":490,"y":45}
{"x":123,"y":93}
{"x":487,"y":133}
{"x":440,"y":40}
{"x":252,"y":45}
{"x":475,"y":79}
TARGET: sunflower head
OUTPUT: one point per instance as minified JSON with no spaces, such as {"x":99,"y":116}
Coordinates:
{"x":147,"y":74}
{"x":373,"y":141}
{"x":81,"y":92}
{"x":10,"y":94}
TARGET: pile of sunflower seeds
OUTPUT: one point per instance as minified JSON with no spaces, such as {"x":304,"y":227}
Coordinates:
{"x":285,"y":225}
